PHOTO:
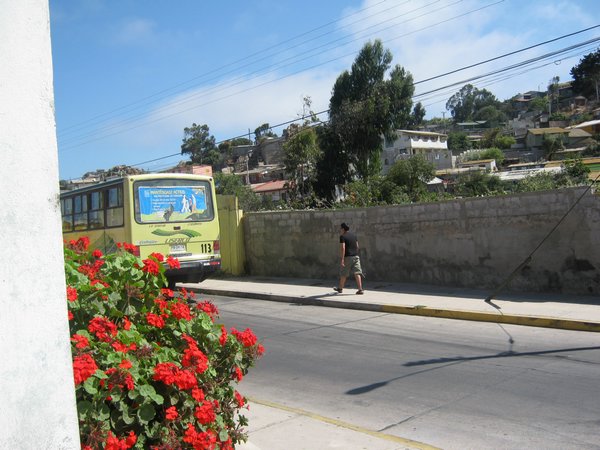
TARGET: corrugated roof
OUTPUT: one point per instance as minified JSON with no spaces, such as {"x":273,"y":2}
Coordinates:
{"x":551,"y":130}
{"x":269,"y":186}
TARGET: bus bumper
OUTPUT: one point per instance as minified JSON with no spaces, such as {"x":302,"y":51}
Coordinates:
{"x":193,"y":271}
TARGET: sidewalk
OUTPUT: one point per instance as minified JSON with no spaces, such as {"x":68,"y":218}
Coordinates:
{"x":274,"y":427}
{"x":571,"y":312}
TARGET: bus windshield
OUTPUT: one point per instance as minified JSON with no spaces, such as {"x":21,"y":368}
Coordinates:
{"x":173,"y":200}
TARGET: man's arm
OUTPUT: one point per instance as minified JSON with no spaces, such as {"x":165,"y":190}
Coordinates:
{"x":343,"y":251}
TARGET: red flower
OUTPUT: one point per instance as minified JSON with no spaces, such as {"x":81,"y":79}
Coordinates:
{"x":241,"y":401}
{"x":223,"y":338}
{"x":102,"y":328}
{"x":126,"y":323}
{"x":165,"y":372}
{"x":125,"y":364}
{"x":260,"y":350}
{"x":70,"y":315}
{"x":205,"y":413}
{"x":247,"y":337}
{"x":203,"y":440}
{"x":180,"y":310}
{"x":151,"y":266}
{"x":84,"y":367}
{"x":113,"y":442}
{"x":162,"y":304}
{"x":97,"y":253}
{"x":198,"y":394}
{"x":193,"y":357}
{"x":120,"y":347}
{"x":158,"y":256}
{"x":238,"y":375}
{"x":184,"y":379}
{"x":130,"y":248}
{"x":155,"y":321}
{"x":71,"y":294}
{"x":81,"y":341}
{"x":171,"y":413}
{"x":167,"y":292}
{"x":173,"y":263}
{"x":209,"y":308}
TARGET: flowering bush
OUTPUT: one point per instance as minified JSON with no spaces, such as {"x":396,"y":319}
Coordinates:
{"x":151,"y":371}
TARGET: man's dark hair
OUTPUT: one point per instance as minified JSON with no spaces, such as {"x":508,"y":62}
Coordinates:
{"x":345,"y":227}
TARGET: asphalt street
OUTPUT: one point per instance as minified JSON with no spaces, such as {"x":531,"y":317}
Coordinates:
{"x":449,"y":383}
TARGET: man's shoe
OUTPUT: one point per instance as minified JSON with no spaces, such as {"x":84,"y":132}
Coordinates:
{"x":360,"y":292}
{"x":337,"y":289}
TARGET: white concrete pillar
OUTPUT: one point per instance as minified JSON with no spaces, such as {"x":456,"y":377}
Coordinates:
{"x":37,"y":396}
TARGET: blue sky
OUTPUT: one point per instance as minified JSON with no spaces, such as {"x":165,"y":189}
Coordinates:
{"x":130,"y":75}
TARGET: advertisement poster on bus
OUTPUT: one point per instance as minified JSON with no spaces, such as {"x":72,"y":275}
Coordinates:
{"x":172,"y":203}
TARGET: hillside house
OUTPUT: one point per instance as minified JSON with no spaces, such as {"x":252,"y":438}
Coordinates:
{"x":408,"y":143}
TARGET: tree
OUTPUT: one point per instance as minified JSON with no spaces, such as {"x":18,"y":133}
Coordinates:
{"x":459,"y":141}
{"x":478,"y":184}
{"x":417,"y":116}
{"x":493,"y":138}
{"x":490,"y":114}
{"x":466,"y":103}
{"x":263,"y":131}
{"x":228,"y":184}
{"x":300,"y":156}
{"x":412,"y":174}
{"x":553,"y":93}
{"x":586,"y":75}
{"x":198,"y":142}
{"x":538,"y":104}
{"x":364,"y":107}
{"x":551,"y":144}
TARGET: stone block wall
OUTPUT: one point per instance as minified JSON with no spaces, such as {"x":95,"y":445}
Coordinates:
{"x":473,"y":243}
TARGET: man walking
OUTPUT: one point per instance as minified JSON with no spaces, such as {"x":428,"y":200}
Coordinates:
{"x":350,"y":261}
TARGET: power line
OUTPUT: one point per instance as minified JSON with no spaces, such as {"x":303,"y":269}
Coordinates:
{"x":192,"y":97}
{"x":242,"y":60}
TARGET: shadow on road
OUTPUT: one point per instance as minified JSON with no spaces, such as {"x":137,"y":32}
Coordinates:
{"x":458,"y":360}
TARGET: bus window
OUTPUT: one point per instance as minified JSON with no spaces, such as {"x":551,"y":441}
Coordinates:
{"x":114,"y":211}
{"x":80,"y":208}
{"x":96,"y":213}
{"x":159,"y":201}
{"x":66,"y":206}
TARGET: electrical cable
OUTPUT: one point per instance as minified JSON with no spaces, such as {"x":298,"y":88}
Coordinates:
{"x":527,"y":260}
{"x":229,"y":85}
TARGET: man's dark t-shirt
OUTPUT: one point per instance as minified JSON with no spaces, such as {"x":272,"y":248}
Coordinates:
{"x":351,"y":243}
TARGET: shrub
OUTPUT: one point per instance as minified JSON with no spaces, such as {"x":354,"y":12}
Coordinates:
{"x":151,"y":370}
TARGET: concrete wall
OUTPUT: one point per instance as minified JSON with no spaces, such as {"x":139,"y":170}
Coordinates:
{"x":472,"y":243}
{"x":37,"y":395}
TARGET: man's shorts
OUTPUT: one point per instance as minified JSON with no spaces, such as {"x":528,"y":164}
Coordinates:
{"x":351,"y":266}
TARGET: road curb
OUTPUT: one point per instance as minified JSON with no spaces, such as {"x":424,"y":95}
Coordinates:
{"x":477,"y":316}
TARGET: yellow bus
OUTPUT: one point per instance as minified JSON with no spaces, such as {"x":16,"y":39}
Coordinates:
{"x":172,"y":214}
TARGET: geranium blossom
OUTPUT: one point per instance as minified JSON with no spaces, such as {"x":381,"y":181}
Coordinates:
{"x":81,"y":341}
{"x":171,"y":413}
{"x":71,"y":294}
{"x":205,"y":413}
{"x":165,"y":372}
{"x":180,"y":310}
{"x":103,"y":328}
{"x":155,"y":320}
{"x":223,"y":338}
{"x":151,"y":266}
{"x":120,"y":347}
{"x":200,"y":440}
{"x":173,"y":263}
{"x":84,"y":367}
{"x":209,"y":308}
{"x":97,"y":253}
{"x":246,"y":337}
{"x":114,"y":443}
{"x":158,"y":256}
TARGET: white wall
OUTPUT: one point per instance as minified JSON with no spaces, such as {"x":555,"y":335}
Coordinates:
{"x":37,"y":397}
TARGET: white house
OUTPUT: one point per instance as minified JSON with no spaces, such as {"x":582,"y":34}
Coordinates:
{"x":409,"y":143}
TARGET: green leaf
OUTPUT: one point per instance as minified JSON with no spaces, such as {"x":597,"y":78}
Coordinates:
{"x":158,"y":399}
{"x":223,"y":435}
{"x":84,"y":408}
{"x":91,"y":385}
{"x":103,"y":413}
{"x":146,"y":413}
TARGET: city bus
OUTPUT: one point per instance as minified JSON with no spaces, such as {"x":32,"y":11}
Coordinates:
{"x":172,"y":214}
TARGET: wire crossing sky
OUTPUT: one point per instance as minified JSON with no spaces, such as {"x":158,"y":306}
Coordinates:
{"x":130,"y":76}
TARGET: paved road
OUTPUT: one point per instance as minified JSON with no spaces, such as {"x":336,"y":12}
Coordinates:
{"x":449,"y":383}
